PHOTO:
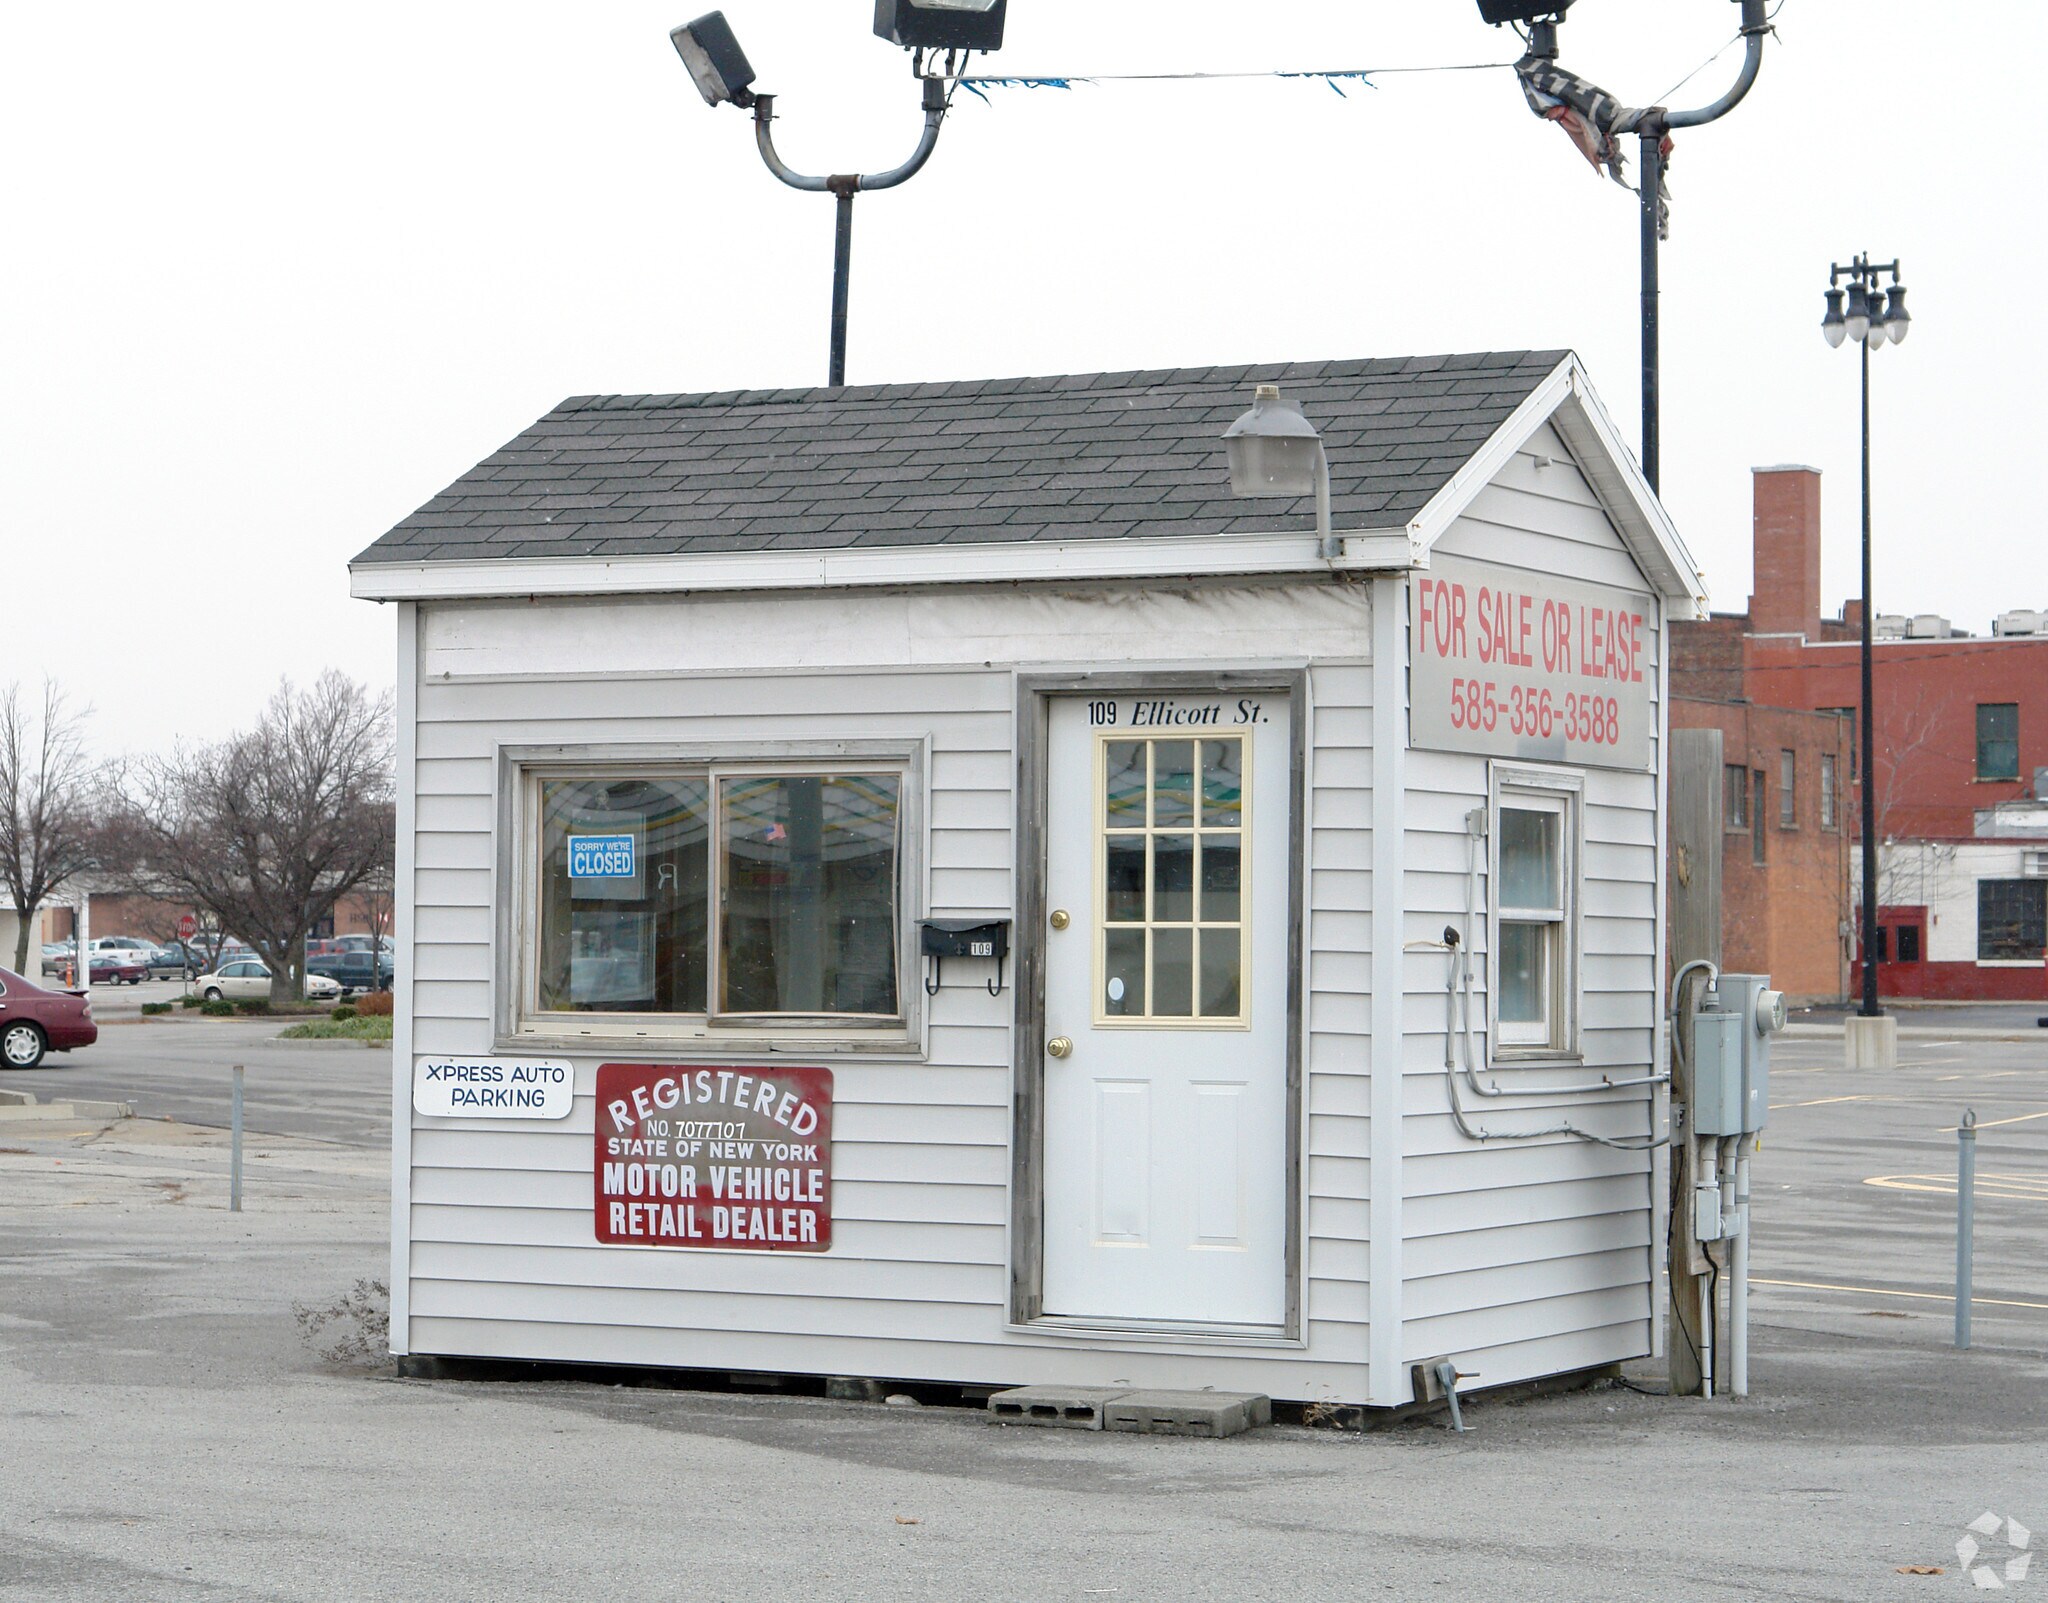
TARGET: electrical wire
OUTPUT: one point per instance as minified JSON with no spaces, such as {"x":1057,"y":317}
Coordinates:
{"x":1335,"y":77}
{"x":1702,"y":67}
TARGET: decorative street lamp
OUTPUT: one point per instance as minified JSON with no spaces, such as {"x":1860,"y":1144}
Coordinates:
{"x":1870,"y":318}
{"x":1276,"y":452}
{"x":948,"y":29}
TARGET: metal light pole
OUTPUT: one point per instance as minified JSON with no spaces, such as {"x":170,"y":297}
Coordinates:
{"x":1870,"y":319}
{"x":1567,"y":98}
{"x":948,"y":29}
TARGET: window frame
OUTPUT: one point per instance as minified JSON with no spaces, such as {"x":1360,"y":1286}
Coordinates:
{"x":1758,"y":830}
{"x":1563,"y":791}
{"x":1735,"y":798}
{"x":1788,"y":788}
{"x":2009,"y":959}
{"x":518,"y":1019}
{"x":2013,"y":740}
{"x":1830,"y":793}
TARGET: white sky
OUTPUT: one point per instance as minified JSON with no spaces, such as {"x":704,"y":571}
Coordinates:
{"x":276,"y":274}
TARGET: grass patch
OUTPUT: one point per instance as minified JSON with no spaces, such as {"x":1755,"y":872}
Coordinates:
{"x":355,"y":1029}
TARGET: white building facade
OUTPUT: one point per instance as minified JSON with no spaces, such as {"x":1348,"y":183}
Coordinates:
{"x":917,"y":883}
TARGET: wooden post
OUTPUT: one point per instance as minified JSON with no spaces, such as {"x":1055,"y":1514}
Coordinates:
{"x":1695,"y":934}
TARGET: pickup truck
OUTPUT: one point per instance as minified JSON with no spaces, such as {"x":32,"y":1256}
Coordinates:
{"x":353,"y":971}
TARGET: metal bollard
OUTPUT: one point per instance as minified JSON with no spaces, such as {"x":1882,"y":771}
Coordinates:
{"x":235,"y":1161}
{"x":1966,"y":1221}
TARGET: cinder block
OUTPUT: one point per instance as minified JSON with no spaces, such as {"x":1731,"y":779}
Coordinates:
{"x":1064,"y":1407}
{"x":1188,"y":1413}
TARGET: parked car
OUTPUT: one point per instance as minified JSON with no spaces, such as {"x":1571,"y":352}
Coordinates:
{"x":246,"y":979}
{"x":353,"y":971}
{"x":121,"y":943}
{"x":173,"y":961}
{"x":56,"y":957}
{"x":364,"y":943}
{"x":34,"y":1020}
{"x":116,"y":965}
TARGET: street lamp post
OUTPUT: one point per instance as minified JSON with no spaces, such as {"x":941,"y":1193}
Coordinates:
{"x":1870,"y":318}
{"x":946,"y":29}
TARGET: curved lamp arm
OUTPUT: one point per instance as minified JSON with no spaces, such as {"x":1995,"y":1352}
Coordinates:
{"x":764,"y":136}
{"x":1754,"y":27}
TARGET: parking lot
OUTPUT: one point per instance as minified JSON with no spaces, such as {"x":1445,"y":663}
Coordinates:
{"x":170,"y":1433}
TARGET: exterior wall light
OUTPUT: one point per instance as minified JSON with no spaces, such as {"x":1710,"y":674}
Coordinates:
{"x":1499,"y":11}
{"x":942,"y":24}
{"x":1275,"y":452}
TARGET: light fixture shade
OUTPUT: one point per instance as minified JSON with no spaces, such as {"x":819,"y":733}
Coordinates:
{"x":1832,"y":326}
{"x":716,"y":62}
{"x":1858,"y":316}
{"x":1874,"y":338}
{"x":1897,"y":320}
{"x":1273,"y":449}
{"x":1499,"y":11}
{"x":942,"y":24}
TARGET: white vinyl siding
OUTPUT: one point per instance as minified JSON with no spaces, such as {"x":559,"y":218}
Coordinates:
{"x":504,"y":1261}
{"x":1530,"y":1257}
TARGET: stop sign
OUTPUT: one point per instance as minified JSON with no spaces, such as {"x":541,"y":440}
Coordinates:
{"x":188,"y":926}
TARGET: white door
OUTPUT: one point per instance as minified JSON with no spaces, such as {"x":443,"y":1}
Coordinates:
{"x":1166,"y":1103}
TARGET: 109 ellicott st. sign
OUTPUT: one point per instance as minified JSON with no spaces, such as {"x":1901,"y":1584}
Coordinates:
{"x":714,"y":1157}
{"x":1504,"y":662}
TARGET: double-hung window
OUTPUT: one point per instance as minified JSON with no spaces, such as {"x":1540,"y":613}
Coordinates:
{"x":1998,"y":740}
{"x":701,"y":898}
{"x":1534,"y":833}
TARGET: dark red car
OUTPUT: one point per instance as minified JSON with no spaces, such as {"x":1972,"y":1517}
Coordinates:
{"x":34,"y":1021}
{"x":118,"y":966}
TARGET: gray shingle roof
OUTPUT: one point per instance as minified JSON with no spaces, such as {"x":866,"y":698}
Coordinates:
{"x":1088,"y":457}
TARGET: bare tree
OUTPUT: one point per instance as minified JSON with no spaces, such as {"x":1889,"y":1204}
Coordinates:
{"x":48,"y":817}
{"x":266,"y":830}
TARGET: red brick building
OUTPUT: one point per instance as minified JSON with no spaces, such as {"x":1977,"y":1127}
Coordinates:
{"x":1962,"y":726}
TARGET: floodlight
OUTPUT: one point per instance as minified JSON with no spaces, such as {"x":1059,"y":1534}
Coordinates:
{"x":941,"y":24}
{"x":1274,"y":450}
{"x":715,"y":59}
{"x":1499,"y":11}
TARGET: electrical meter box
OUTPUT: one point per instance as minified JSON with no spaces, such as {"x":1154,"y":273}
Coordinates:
{"x":1716,"y":1057}
{"x":1762,"y":1011}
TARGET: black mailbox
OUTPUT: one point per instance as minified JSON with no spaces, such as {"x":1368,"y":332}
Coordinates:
{"x":987,"y":940}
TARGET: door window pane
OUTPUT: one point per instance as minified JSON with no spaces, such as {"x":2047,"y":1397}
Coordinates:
{"x":1173,"y":784}
{"x":1222,"y":965}
{"x":1173,"y":973}
{"x":1173,"y":878}
{"x":809,"y":916}
{"x":628,"y":933}
{"x":1171,"y":906}
{"x":1529,"y":859}
{"x":1222,"y":784}
{"x":1221,"y":872}
{"x":1123,"y":878}
{"x":1123,"y":966}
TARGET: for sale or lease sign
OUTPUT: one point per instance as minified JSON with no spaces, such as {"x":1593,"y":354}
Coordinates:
{"x":714,"y":1157}
{"x":1508,"y":663}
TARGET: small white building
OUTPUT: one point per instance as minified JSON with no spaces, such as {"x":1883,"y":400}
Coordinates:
{"x":719,"y":713}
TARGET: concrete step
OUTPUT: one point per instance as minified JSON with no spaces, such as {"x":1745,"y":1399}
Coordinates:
{"x":1063,"y":1407}
{"x":1154,"y":1413}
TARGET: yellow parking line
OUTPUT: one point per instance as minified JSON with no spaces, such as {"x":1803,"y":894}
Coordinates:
{"x":2012,"y":1187}
{"x":1819,"y":1102}
{"x":1985,"y":1124}
{"x":1880,"y":1291}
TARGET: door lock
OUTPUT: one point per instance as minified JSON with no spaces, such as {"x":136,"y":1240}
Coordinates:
{"x":1060,"y":919}
{"x":1059,"y":1046}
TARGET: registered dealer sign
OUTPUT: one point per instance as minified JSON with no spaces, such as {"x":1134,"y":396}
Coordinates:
{"x":704,"y":1157}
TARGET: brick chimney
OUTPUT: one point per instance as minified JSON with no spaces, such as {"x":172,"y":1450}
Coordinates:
{"x":1787,"y":551}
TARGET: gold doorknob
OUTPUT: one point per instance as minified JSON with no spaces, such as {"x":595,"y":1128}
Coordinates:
{"x":1059,"y":919}
{"x":1059,"y":1046}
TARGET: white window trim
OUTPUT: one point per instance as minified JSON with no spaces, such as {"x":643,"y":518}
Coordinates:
{"x":520,"y":1024}
{"x":1565,"y":790}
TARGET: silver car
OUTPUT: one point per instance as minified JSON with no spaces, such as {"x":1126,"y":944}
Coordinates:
{"x":247,"y":980}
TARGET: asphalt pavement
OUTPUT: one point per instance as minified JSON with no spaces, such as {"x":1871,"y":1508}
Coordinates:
{"x":177,"y":1067}
{"x":169,"y":1434}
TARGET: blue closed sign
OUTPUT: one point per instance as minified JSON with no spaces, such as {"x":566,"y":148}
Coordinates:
{"x":601,"y":857}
